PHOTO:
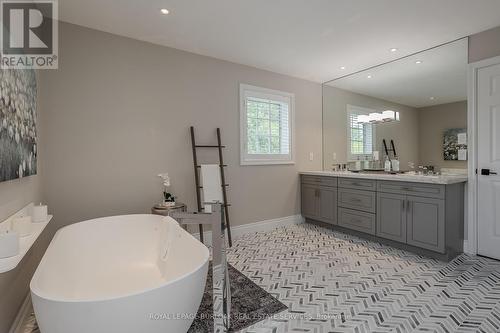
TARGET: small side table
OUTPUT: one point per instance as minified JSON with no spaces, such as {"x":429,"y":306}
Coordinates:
{"x":165,"y":211}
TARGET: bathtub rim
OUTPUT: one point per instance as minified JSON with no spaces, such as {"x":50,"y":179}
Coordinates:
{"x":37,"y":292}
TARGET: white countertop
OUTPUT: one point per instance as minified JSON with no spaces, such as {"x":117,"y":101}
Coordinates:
{"x":441,"y":179}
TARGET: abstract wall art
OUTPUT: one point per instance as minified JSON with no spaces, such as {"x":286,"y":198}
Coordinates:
{"x":455,"y":144}
{"x":18,"y":135}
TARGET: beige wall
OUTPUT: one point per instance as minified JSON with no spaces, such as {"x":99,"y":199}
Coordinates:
{"x":484,"y":45}
{"x":433,"y":121}
{"x":404,"y":133}
{"x":118,"y":113}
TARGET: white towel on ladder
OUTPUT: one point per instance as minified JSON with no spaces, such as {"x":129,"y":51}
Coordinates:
{"x":212,"y":186}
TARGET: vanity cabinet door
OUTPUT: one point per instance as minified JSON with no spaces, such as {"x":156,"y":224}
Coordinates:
{"x":391,"y":216}
{"x":426,"y":223}
{"x":328,"y":204}
{"x":310,"y":201}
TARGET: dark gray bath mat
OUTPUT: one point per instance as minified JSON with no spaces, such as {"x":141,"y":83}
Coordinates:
{"x":249,"y":304}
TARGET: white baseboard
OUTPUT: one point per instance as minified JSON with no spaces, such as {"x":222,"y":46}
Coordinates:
{"x":265,"y":225}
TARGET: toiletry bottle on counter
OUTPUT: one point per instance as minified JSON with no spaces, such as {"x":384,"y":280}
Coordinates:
{"x":395,"y":164}
{"x":387,"y":164}
{"x":358,"y":164}
{"x":366,"y":163}
{"x":40,"y":213}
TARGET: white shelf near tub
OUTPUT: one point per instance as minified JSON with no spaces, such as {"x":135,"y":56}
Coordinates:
{"x":25,"y":243}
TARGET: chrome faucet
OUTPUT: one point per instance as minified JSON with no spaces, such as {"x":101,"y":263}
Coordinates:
{"x":220,"y":272}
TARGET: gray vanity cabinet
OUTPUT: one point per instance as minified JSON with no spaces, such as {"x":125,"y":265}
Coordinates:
{"x":319,"y":199}
{"x":328,"y":204}
{"x":413,"y":220}
{"x":310,"y":203}
{"x":426,"y":223}
{"x":391,"y":217}
{"x":423,"y":217}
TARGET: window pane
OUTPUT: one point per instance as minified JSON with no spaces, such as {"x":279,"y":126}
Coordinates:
{"x":252,"y":127}
{"x":262,"y":127}
{"x":263,"y":142}
{"x":361,"y":139}
{"x":252,"y":122}
{"x":275,"y":112}
{"x":357,"y":134}
{"x":275,"y":128}
{"x":252,"y":145}
{"x":263,"y":110}
{"x":275,"y":145}
{"x":251,"y":109}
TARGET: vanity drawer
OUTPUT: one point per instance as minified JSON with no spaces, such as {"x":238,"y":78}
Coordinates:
{"x":356,"y":199}
{"x":416,"y":189}
{"x":358,"y":184}
{"x":356,"y":220}
{"x":319,"y":180}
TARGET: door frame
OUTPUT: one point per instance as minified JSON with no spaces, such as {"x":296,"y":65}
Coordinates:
{"x":471,"y":245}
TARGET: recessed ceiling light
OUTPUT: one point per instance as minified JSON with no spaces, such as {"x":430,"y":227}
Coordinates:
{"x":342,"y":68}
{"x":164,"y":11}
{"x":418,"y":62}
{"x":432,"y":98}
{"x":393,"y":49}
{"x":369,"y":76}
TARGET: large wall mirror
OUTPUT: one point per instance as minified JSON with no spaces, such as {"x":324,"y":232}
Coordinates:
{"x":417,"y":105}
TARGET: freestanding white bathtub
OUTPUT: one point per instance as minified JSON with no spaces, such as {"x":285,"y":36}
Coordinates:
{"x":127,"y":274}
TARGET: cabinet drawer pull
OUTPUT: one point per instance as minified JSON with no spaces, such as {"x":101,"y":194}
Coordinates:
{"x":356,"y":200}
{"x":355,"y":220}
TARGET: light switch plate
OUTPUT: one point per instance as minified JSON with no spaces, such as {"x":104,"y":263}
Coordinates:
{"x":311,"y":156}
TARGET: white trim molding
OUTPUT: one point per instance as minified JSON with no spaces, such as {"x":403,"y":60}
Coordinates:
{"x":266,"y":225}
{"x":471,"y":244}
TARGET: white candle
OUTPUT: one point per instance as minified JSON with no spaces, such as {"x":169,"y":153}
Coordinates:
{"x":22,"y":225}
{"x":39,"y":213}
{"x":9,"y":244}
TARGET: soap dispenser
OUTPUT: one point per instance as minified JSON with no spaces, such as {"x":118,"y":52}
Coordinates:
{"x":387,"y":164}
{"x":358,"y":164}
{"x":395,"y":164}
{"x":366,"y":163}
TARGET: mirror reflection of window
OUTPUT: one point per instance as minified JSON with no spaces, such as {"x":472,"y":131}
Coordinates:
{"x":361,"y":136}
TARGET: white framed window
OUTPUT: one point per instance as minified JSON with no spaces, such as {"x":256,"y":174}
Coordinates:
{"x":360,"y":136}
{"x":266,"y":126}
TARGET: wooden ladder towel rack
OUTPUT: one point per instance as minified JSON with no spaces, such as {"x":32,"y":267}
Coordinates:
{"x":197,"y":166}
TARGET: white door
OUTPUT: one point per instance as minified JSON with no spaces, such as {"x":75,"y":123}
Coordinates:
{"x":488,"y":160}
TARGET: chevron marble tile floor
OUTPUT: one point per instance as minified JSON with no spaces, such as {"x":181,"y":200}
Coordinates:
{"x":333,"y":282}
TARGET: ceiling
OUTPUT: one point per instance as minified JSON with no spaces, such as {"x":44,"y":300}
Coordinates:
{"x":309,"y":39}
{"x":440,"y":77}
